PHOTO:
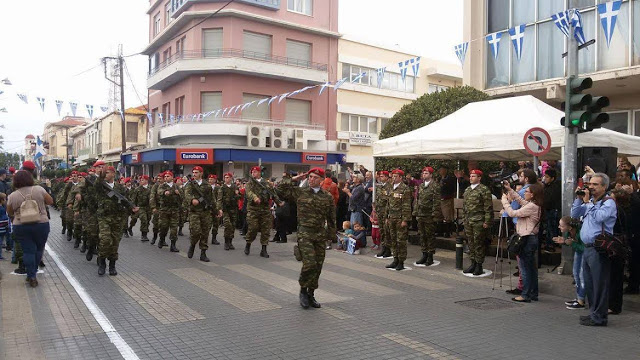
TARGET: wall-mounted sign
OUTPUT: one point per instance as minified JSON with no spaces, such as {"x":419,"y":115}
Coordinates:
{"x":314,"y":158}
{"x":136,"y":157}
{"x":194,"y":156}
{"x":360,"y":139}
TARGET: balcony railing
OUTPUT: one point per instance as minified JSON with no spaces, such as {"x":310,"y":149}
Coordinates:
{"x":177,"y":6}
{"x":246,"y":121}
{"x":237,"y":53}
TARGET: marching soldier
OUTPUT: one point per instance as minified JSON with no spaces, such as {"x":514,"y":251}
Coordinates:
{"x":398,"y":218}
{"x":75,"y":197}
{"x":199,"y":199}
{"x":316,"y":225}
{"x":89,"y":210}
{"x":182,"y":213}
{"x":382,"y":204}
{"x":61,"y":197}
{"x":478,"y":212}
{"x":154,"y":206}
{"x":229,"y":196}
{"x":110,"y":213}
{"x":127,"y":193}
{"x":74,"y":218}
{"x":428,"y":212}
{"x":168,"y":198}
{"x":68,"y":212}
{"x":215,"y":223}
{"x":259,"y":218}
{"x":140,"y":198}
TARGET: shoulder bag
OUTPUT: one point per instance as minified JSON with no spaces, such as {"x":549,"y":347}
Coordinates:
{"x":29,"y":209}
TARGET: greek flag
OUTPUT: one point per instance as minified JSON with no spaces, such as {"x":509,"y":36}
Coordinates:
{"x":40,"y":152}
{"x":381,"y":72}
{"x":323,"y":87}
{"x":561,"y":20}
{"x":404,"y":66}
{"x":339,"y":83}
{"x":517,"y":37}
{"x":247,"y":105}
{"x":150,"y":118}
{"x":23,"y":97}
{"x":172,"y":119}
{"x":608,"y":16}
{"x":415,"y":65}
{"x":59,"y":105}
{"x":161,"y":116}
{"x":576,"y":22}
{"x":272,"y":100}
{"x":282,"y":97}
{"x":74,"y":107}
{"x":494,"y":42}
{"x":41,"y":102}
{"x":90,"y":111}
{"x":461,"y":51}
{"x":217,"y":113}
{"x":104,"y":109}
{"x":357,"y":78}
{"x":224,"y":111}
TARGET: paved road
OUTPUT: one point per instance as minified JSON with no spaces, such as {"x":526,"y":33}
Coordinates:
{"x":165,"y":306}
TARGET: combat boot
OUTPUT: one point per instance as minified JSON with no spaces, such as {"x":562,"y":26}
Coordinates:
{"x":112,"y":268}
{"x":203,"y":256}
{"x":180,"y":231}
{"x":387,"y":253}
{"x":478,"y":270}
{"x":247,"y":248}
{"x":214,"y":241}
{"x":161,"y":242}
{"x":382,"y":251}
{"x":231,"y":247}
{"x":173,"y":247}
{"x":263,"y":252}
{"x":76,"y":244}
{"x":192,"y":248}
{"x":429,"y":259}
{"x":400,"y":266}
{"x":393,"y":264}
{"x":304,"y":298}
{"x":423,"y":259}
{"x":312,"y":300}
{"x":90,"y":252}
{"x":471,"y":268}
{"x":102,"y":265}
{"x":144,"y":237}
{"x":64,"y":229}
{"x":155,"y":237}
{"x":226,"y":244}
{"x":69,"y":234}
{"x":83,"y":248}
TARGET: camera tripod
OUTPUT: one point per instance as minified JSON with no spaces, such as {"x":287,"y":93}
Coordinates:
{"x":500,"y":250}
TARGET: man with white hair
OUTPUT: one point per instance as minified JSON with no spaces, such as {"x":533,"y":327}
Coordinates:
{"x":356,"y":199}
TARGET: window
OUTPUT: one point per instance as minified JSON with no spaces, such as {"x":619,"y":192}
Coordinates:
{"x":498,"y":15}
{"x":166,"y":55}
{"x":436,"y":88}
{"x":257,"y":46}
{"x":166,"y":110}
{"x":298,"y":111}
{"x":254,"y":111}
{"x":154,"y":117}
{"x":210,"y":101}
{"x":156,"y":24}
{"x":301,"y":6}
{"x":390,"y":81}
{"x":550,"y":44}
{"x":154,"y":62}
{"x":522,"y":70}
{"x":180,"y":46}
{"x":579,"y":4}
{"x":636,"y":34}
{"x":167,"y":13}
{"x":383,"y":123}
{"x":618,"y":122}
{"x":546,"y":8}
{"x":179,"y":106}
{"x":132,"y":132}
{"x":298,"y":53}
{"x":524,"y":11}
{"x":211,"y":42}
{"x":637,"y":122}
{"x":359,"y":123}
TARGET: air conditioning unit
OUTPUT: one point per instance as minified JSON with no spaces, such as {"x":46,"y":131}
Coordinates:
{"x":299,"y":138}
{"x":279,"y":138}
{"x":343,"y":146}
{"x":256,"y":136}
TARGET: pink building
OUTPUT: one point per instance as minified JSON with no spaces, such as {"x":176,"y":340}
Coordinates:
{"x":206,"y":55}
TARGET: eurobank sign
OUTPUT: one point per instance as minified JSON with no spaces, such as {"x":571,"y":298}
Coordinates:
{"x":314,"y":158}
{"x":194,"y":156}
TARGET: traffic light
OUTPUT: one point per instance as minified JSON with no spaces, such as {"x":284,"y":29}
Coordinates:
{"x":584,"y":110}
{"x":597,"y":117}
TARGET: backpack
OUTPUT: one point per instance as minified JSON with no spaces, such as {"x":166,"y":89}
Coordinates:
{"x":29,"y":210}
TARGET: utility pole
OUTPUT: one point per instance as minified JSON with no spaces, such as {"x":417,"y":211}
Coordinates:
{"x":120,"y":84}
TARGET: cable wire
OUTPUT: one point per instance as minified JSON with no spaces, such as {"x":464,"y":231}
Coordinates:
{"x":126,"y":69}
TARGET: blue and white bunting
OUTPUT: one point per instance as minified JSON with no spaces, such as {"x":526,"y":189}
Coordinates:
{"x":172,"y":119}
{"x":461,"y":51}
{"x":404,"y":66}
{"x":59,"y":106}
{"x":90,"y":111}
{"x":224,"y":111}
{"x":608,"y":17}
{"x":23,"y":97}
{"x":517,"y":38}
{"x":576,"y":22}
{"x":494,"y":43}
{"x":339,"y":83}
{"x":561,"y":20}
{"x":272,"y":99}
{"x":282,"y":97}
{"x":247,"y":105}
{"x":104,"y":109}
{"x":358,"y":77}
{"x":415,"y":66}
{"x":150,"y":118}
{"x":381,"y":71}
{"x":41,"y":101}
{"x":161,"y":117}
{"x":323,"y":87}
{"x":263,"y":101}
{"x":74,"y":107}
{"x":40,"y":152}
{"x":237,"y":109}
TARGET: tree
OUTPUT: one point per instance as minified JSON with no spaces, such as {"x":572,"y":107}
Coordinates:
{"x":421,"y":112}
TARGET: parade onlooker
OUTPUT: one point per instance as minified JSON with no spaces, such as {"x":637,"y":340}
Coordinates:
{"x":356,"y":198}
{"x":5,"y":184}
{"x":5,"y":226}
{"x":447,"y":194}
{"x":597,"y":214}
{"x":552,"y":207}
{"x":375,"y":230}
{"x":621,"y":228}
{"x":342,"y":207}
{"x":344,"y":236}
{"x":570,"y":231}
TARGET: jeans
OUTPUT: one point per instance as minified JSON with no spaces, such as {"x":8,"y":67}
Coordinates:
{"x":551,"y":226}
{"x":4,"y":238}
{"x":528,"y":268}
{"x":578,"y":275}
{"x":597,"y":269}
{"x":356,"y":216}
{"x":32,"y":237}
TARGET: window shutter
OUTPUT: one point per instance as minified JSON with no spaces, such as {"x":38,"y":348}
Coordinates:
{"x":210,"y":101}
{"x":212,"y":42}
{"x":299,"y":52}
{"x":256,"y":45}
{"x":298,"y":111}
{"x":255,"y":111}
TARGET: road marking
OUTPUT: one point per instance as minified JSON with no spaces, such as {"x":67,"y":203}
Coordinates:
{"x":125,"y":350}
{"x":283,"y":283}
{"x":420,"y":347}
{"x":345,"y":280}
{"x":158,"y":302}
{"x":225,"y":291}
{"x":394,"y":276}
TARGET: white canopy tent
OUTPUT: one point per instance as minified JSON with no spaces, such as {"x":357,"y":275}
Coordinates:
{"x":493,"y":130}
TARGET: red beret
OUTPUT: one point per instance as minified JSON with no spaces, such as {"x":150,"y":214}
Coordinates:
{"x":198,"y":168}
{"x":74,"y":173}
{"x":228,"y":174}
{"x":176,"y":179}
{"x":91,"y":170}
{"x":12,"y":169}
{"x":256,"y":168}
{"x":167,"y":173}
{"x":428,"y":169}
{"x":98,"y":163}
{"x":84,"y":174}
{"x":146,"y":177}
{"x":66,"y":179}
{"x":213,"y":176}
{"x":316,"y":170}
{"x":127,"y":180}
{"x":476,"y":172}
{"x":111,"y":168}
{"x":384,"y":172}
{"x":28,"y":165}
{"x":398,"y":171}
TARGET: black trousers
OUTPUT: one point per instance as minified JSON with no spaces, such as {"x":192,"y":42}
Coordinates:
{"x":634,"y":262}
{"x":616,"y":285}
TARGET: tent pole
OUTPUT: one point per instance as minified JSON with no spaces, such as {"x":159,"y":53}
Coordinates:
{"x":375,"y":180}
{"x":458,"y":183}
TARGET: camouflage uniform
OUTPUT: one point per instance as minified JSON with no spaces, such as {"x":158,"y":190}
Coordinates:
{"x":316,"y":225}
{"x":215,"y":222}
{"x":168,"y":217}
{"x":399,"y":210}
{"x":228,"y":201}
{"x":382,"y":205}
{"x":259,"y":216}
{"x":76,"y":218}
{"x":88,"y":211}
{"x":125,"y":221}
{"x":140,"y":198}
{"x":110,"y":214}
{"x":183,"y":214}
{"x":64,"y":210}
{"x":199,"y":216}
{"x":478,"y":210}
{"x":428,"y":213}
{"x":153,"y":203}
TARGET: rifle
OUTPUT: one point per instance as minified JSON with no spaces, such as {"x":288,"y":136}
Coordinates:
{"x":203,"y":200}
{"x":122,"y":200}
{"x":266,"y":191}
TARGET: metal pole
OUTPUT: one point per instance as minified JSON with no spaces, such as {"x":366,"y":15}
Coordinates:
{"x":536,"y":165}
{"x":66,"y":148}
{"x":375,"y":181}
{"x":124,"y":121}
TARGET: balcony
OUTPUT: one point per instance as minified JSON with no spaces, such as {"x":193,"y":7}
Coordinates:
{"x":179,"y":6}
{"x":182,"y":65}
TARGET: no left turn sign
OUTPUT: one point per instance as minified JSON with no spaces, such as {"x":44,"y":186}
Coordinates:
{"x":537,"y":141}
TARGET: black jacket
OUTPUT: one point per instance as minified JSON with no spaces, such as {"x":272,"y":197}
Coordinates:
{"x":553,"y":196}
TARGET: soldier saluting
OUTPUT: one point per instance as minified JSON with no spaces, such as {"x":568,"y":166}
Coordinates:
{"x":200,"y":202}
{"x":258,"y":193}
{"x":478,"y":211}
{"x":316,"y":209}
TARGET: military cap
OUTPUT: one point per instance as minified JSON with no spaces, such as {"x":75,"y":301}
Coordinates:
{"x":84,"y":174}
{"x":127,"y":180}
{"x":256,"y":168}
{"x":98,"y":163}
{"x":146,"y":177}
{"x":12,"y":169}
{"x":476,"y":172}
{"x":111,"y":168}
{"x":316,"y":170}
{"x":28,"y":165}
{"x":74,"y":173}
{"x":198,"y":168}
{"x":228,"y":174}
{"x":383,"y":172}
{"x":429,"y":169}
{"x":213,"y":176}
{"x":398,"y":171}
{"x":167,"y":173}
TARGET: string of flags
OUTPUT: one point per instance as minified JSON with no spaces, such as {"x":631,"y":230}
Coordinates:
{"x":73,"y":106}
{"x":564,"y":21}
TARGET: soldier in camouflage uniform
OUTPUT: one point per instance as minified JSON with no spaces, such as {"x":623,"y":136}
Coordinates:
{"x":169,"y":198}
{"x":428,"y":212}
{"x":215,"y":222}
{"x":68,"y":211}
{"x":128,"y":189}
{"x":153,"y":203}
{"x":382,"y":204}
{"x":398,"y":218}
{"x":229,"y":195}
{"x":110,"y":214}
{"x":73,"y":217}
{"x":183,"y":213}
{"x":198,"y":198}
{"x":478,"y":212}
{"x":140,"y":198}
{"x":89,"y":210}
{"x":258,"y":193}
{"x":75,"y":196}
{"x":61,"y":197}
{"x":316,"y":225}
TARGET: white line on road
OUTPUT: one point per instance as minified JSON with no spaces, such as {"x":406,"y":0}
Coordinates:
{"x":125,"y":350}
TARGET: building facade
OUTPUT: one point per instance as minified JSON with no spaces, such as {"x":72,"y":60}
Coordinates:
{"x":365,"y":107}
{"x":542,"y":70}
{"x":248,"y":51}
{"x":29,"y":149}
{"x":58,"y":135}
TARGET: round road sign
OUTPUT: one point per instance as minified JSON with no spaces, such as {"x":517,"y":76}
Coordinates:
{"x":537,"y":141}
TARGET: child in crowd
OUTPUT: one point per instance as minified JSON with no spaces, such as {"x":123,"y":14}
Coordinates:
{"x":344,"y":235}
{"x":570,"y":229}
{"x":375,"y":230}
{"x":360,"y":236}
{"x":4,"y":222}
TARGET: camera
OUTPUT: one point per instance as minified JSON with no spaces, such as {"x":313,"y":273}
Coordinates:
{"x":581,"y":192}
{"x":512,"y":179}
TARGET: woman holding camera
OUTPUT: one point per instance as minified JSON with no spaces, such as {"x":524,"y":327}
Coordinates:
{"x":527,"y":227}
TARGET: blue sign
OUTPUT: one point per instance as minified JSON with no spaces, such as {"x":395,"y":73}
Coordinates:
{"x":194,"y":156}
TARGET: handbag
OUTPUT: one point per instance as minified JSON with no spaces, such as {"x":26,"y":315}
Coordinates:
{"x":516,"y":243}
{"x":29,"y":209}
{"x":612,"y":245}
